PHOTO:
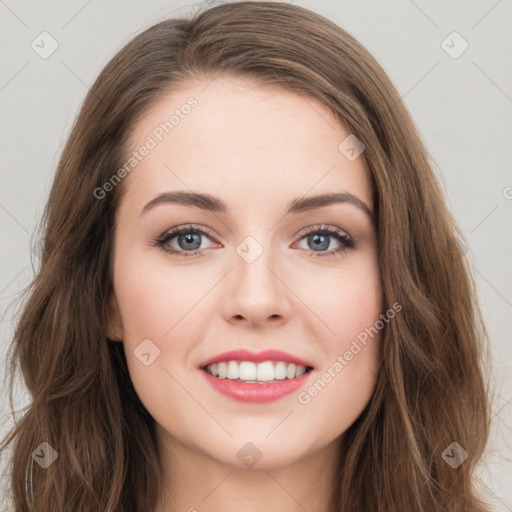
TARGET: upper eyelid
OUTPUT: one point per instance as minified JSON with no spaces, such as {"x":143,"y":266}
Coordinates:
{"x":322,"y":227}
{"x":345,"y":239}
{"x":203,"y":230}
{"x":332,"y":231}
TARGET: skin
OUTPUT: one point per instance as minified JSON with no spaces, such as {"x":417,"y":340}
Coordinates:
{"x":256,"y":148}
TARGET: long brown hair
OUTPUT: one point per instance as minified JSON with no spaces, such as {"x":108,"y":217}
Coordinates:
{"x":431,"y":389}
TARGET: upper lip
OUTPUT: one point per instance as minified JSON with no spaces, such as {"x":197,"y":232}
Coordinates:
{"x":246,"y":355}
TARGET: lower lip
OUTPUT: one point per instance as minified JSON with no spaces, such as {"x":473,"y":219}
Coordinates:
{"x":257,"y":393}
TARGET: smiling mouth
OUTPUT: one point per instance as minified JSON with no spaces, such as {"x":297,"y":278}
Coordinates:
{"x":250,"y":372}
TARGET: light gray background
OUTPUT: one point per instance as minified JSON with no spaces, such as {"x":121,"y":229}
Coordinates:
{"x":462,"y":107}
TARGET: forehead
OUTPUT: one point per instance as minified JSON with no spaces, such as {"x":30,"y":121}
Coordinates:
{"x":243,"y":142}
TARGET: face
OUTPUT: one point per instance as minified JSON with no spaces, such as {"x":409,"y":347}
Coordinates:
{"x":251,"y":276}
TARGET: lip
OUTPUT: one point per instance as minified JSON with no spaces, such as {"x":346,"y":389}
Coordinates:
{"x":246,"y":355}
{"x":256,"y":393}
{"x":250,"y":392}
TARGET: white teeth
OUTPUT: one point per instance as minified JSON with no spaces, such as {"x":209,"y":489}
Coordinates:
{"x":223,"y":370}
{"x":291,"y":371}
{"x":265,"y":371}
{"x":255,"y":372}
{"x":233,"y":372}
{"x":280,"y":370}
{"x":247,"y":370}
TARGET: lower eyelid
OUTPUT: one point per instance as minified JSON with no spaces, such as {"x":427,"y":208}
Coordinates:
{"x":345,"y":241}
{"x":343,"y":245}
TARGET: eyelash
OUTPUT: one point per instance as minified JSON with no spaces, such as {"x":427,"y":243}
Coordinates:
{"x":346,"y":242}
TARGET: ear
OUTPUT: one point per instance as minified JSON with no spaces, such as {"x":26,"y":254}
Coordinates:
{"x":115,"y":326}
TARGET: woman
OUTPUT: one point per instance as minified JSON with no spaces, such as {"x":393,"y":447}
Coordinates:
{"x":318,"y":346}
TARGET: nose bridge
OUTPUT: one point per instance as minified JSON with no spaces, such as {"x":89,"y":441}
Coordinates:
{"x":255,"y":256}
{"x":257,"y":291}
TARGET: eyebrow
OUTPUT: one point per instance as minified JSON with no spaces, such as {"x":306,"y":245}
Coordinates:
{"x":213,"y":204}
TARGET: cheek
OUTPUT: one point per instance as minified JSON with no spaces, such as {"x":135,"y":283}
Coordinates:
{"x":347,"y":300}
{"x":358,"y":305}
{"x":350,"y":304}
{"x":359,"y":330}
{"x":153,"y":297}
{"x":345,"y":383}
{"x":157,"y":303}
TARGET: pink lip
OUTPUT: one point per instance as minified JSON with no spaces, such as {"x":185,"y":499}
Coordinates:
{"x":246,"y":355}
{"x":248,"y":392}
{"x":256,"y":393}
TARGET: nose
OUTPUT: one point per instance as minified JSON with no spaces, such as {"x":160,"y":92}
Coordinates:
{"x":256,"y":292}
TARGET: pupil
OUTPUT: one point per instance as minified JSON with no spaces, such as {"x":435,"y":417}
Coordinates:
{"x":320,"y":244}
{"x":189,"y":238}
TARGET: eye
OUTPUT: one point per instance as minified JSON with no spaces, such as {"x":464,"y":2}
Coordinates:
{"x":187,"y":237}
{"x":317,"y":239}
